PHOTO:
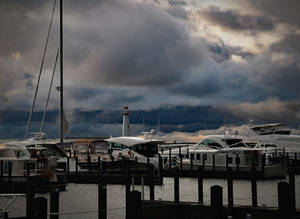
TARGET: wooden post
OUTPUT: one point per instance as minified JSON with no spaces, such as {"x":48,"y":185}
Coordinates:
{"x":39,"y":208}
{"x":263,"y":162}
{"x":134,"y":206}
{"x":27,"y":170}
{"x":68,"y":164}
{"x":295,"y":157}
{"x":54,"y":203}
{"x":200,"y":186}
{"x":142,"y":185}
{"x":216,"y":199}
{"x":89,"y":162}
{"x":99,"y":166}
{"x":180,"y":157}
{"x":227,"y":162}
{"x":151,"y":190}
{"x":170,"y":158}
{"x":203,"y":161}
{"x":230,"y":190}
{"x":291,"y":174}
{"x":176,"y":186}
{"x":237,"y":162}
{"x":2,"y":170}
{"x":29,"y":200}
{"x":254,"y":187}
{"x":191,"y":161}
{"x":76,"y":165}
{"x":214,"y":162}
{"x":187,"y":152}
{"x":9,"y":174}
{"x":284,"y":204}
{"x":102,"y":201}
{"x":159,"y":165}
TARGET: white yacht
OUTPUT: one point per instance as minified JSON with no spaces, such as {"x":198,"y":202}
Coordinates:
{"x":277,"y":133}
{"x":213,"y":150}
{"x":140,"y":148}
{"x":18,"y":157}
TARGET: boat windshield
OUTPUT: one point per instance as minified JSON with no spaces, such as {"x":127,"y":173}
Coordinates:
{"x":148,"y":150}
{"x":210,"y":143}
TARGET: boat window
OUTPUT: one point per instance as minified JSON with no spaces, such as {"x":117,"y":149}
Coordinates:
{"x":210,"y":143}
{"x":148,"y":150}
{"x":198,"y":157}
{"x":118,"y":146}
{"x":231,"y":141}
{"x":239,"y":144}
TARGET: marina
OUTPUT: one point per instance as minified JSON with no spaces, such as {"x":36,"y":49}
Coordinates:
{"x":175,"y":109}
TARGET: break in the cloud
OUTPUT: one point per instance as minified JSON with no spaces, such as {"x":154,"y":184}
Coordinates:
{"x":234,"y":20}
{"x":271,"y":109}
{"x":151,"y":53}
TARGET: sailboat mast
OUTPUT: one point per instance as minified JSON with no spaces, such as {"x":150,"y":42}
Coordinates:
{"x":61,"y":75}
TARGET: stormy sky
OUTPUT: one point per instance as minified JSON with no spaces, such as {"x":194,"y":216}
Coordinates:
{"x":240,"y":55}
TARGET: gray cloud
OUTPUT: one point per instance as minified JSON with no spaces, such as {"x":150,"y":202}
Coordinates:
{"x":234,"y":20}
{"x":118,"y":52}
{"x":286,"y":11}
{"x":271,"y":109}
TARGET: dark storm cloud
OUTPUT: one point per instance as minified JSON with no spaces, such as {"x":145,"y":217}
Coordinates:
{"x":118,"y":52}
{"x":142,"y":45}
{"x":286,"y":11}
{"x":234,"y":20}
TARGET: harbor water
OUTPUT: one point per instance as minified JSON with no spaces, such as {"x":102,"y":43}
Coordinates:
{"x":81,"y":200}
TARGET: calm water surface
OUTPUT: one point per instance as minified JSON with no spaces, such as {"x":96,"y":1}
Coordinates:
{"x":81,"y":200}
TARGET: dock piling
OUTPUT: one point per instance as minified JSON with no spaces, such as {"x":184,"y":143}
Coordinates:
{"x":214,"y":162}
{"x":102,"y":201}
{"x":39,"y":208}
{"x":76,"y":165}
{"x":170,"y":158}
{"x":237,"y":162}
{"x":216,"y":197}
{"x":151,"y":190}
{"x":142,"y":185}
{"x":180,"y":157}
{"x":291,"y":174}
{"x":230,"y":190}
{"x":176,"y":186}
{"x":2,"y":171}
{"x":29,"y":200}
{"x":254,"y":187}
{"x":200,"y":186}
{"x":54,"y":203}
{"x":134,"y":205}
{"x":284,"y":204}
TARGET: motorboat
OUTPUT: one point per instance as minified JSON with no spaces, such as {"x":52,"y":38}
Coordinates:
{"x":220,"y":151}
{"x":141,"y":149}
{"x":88,"y":150}
{"x":16,"y":158}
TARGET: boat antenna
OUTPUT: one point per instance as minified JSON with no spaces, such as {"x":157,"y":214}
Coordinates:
{"x":40,"y":73}
{"x":49,"y":92}
{"x":61,"y":75}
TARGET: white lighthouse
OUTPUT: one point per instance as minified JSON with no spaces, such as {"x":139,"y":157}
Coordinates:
{"x":125,"y":130}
